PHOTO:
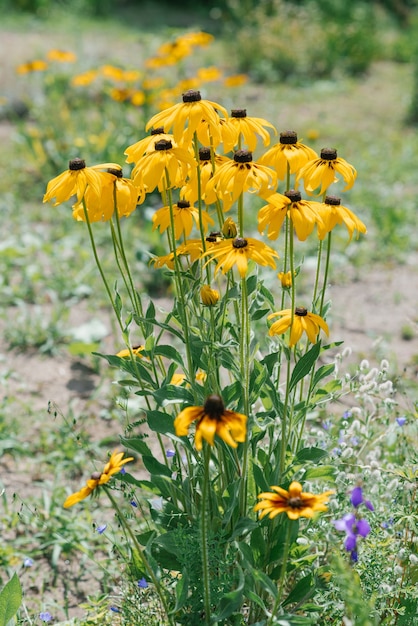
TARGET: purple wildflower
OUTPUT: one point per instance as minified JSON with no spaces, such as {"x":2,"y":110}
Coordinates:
{"x":357,"y":499}
{"x":142,"y":583}
{"x":347,"y":415}
{"x":134,"y":504}
{"x":28,"y":562}
{"x":45,"y":616}
{"x":401,"y":421}
{"x":101,"y":529}
{"x":170,"y":453}
{"x":353,"y":528}
{"x":115,"y":609}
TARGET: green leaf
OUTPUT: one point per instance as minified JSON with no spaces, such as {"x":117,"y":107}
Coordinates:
{"x":137,"y":444}
{"x":304,"y":365}
{"x":155,"y":467}
{"x":310,"y":454}
{"x":259,"y":313}
{"x":322,"y":372}
{"x":173,"y":394}
{"x":323,"y":472}
{"x":259,"y":478}
{"x":160,"y":422}
{"x":231,"y":601}
{"x":303,"y":590}
{"x":170,"y":353}
{"x":10,"y":600}
{"x":182,"y":588}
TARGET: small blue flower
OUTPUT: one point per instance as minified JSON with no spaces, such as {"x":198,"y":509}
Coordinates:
{"x":353,"y":528}
{"x":45,"y":616}
{"x":347,"y":415}
{"x":115,"y":609}
{"x":401,"y":421}
{"x":122,"y":470}
{"x":134,"y":504}
{"x":142,"y":583}
{"x":101,"y":529}
{"x":170,"y":453}
{"x":28,"y":562}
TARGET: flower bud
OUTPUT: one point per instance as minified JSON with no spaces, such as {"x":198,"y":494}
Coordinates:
{"x":229,"y":228}
{"x":209,"y":296}
{"x":285,"y":279}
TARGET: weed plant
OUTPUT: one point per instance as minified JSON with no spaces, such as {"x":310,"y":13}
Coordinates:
{"x":242,"y":523}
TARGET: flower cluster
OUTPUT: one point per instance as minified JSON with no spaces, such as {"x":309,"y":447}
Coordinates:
{"x":353,"y":524}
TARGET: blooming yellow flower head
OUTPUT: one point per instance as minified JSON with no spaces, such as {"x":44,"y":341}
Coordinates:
{"x":115,"y":189}
{"x":294,"y":502}
{"x":333,"y":213}
{"x":185,"y":117}
{"x":209,"y":296}
{"x":249,"y":128}
{"x":84,"y":79}
{"x":288,"y":156}
{"x":209,"y":74}
{"x":126,"y":353}
{"x":32,"y":66}
{"x":183,"y":216}
{"x":113,"y":466}
{"x":212,"y":419}
{"x":62,"y":56}
{"x":147,"y":144}
{"x":300,"y":322}
{"x":164,"y":167}
{"x":321,"y":173}
{"x":238,"y":175}
{"x":75,"y":180}
{"x":236,"y":80}
{"x":273,"y":214}
{"x":192,"y":190}
{"x":238,"y":252}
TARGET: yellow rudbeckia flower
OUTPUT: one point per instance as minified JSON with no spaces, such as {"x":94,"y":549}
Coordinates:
{"x":212,"y":419}
{"x":300,"y":322}
{"x":238,"y":175}
{"x":294,"y":502}
{"x":185,"y":117}
{"x":166,"y":159}
{"x":288,"y":155}
{"x":75,"y":180}
{"x":183,"y":215}
{"x":332,"y":213}
{"x":113,"y":466}
{"x":321,"y":173}
{"x":249,"y":128}
{"x":238,"y":252}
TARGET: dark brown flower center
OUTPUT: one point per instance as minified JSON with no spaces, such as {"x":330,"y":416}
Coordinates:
{"x":333,"y":200}
{"x":239,"y":113}
{"x":77,"y":164}
{"x":96,"y":476}
{"x":204,"y":154}
{"x":240,"y":242}
{"x":157,"y":131}
{"x":191,"y":96}
{"x":295,"y":503}
{"x":293,"y":195}
{"x":328,"y":154}
{"x":288,"y":137}
{"x":243,"y":156}
{"x":163,"y":144}
{"x":214,"y":407}
{"x":115,"y":172}
{"x":301,"y":311}
{"x":183,"y":204}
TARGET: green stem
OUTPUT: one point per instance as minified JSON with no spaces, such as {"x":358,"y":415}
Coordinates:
{"x":282,"y":573}
{"x":324,"y":287}
{"x":204,"y":530}
{"x":245,"y":381}
{"x":283,"y":442}
{"x":99,"y":266}
{"x":141,"y":553}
